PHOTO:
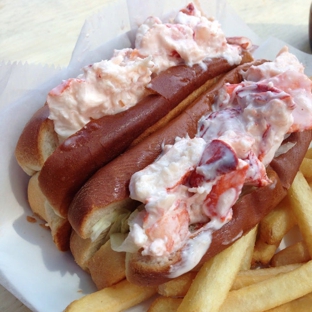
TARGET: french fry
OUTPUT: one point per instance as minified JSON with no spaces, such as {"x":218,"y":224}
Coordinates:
{"x":302,"y":304}
{"x":113,"y":299}
{"x":300,"y":196}
{"x":272,"y":292}
{"x":165,"y":304}
{"x":249,"y":277}
{"x":296,"y":253}
{"x":177,"y":287}
{"x":306,"y":168}
{"x":247,"y":260}
{"x":277,"y":223}
{"x":309,"y":153}
{"x":215,"y":278}
{"x":272,"y":229}
{"x":263,"y":253}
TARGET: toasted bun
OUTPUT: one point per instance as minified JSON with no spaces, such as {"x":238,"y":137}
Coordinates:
{"x":60,"y":227}
{"x":84,"y":249}
{"x":35,"y":197}
{"x":61,"y":169}
{"x":247,"y":212}
{"x":106,"y":194}
{"x":109,"y":261}
{"x":101,"y":140}
{"x":37,"y":142}
{"x":107,"y":190}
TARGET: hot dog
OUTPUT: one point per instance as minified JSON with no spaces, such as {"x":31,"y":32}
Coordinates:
{"x":69,"y":144}
{"x":265,"y":186}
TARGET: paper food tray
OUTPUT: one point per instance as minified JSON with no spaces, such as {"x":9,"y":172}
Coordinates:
{"x":31,"y":267}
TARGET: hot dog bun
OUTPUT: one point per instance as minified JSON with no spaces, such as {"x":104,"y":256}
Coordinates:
{"x":247,"y":212}
{"x":73,"y":161}
{"x":100,"y":141}
{"x":37,"y":142}
{"x":160,"y":83}
{"x":105,"y":196}
{"x":191,"y":217}
{"x":107,"y":191}
{"x":93,"y":206}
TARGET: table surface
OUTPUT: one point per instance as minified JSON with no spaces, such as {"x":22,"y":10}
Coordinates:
{"x":45,"y":31}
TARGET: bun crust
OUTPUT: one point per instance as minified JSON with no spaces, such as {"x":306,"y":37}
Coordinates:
{"x":37,"y":142}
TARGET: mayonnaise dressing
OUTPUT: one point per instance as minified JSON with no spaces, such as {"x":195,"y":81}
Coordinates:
{"x":114,"y":85}
{"x":287,"y":74}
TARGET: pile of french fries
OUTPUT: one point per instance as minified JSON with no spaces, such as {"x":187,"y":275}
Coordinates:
{"x":257,"y":273}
